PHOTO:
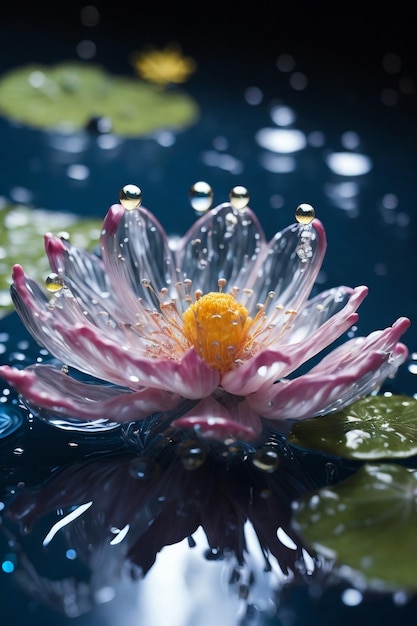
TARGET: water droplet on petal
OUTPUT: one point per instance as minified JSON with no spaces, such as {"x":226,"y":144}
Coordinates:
{"x":239,"y":197}
{"x":201,"y":196}
{"x":266,"y":459}
{"x":54,"y":283}
{"x":192,"y":454}
{"x":231,"y":221}
{"x":64,"y":235}
{"x":304,"y":214}
{"x":130,"y":197}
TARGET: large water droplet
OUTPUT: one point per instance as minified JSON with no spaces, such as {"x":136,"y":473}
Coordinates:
{"x":239,"y":197}
{"x":130,"y":197}
{"x":201,"y":196}
{"x":305,"y":214}
{"x":192,"y":454}
{"x":54,"y":283}
{"x":266,"y":459}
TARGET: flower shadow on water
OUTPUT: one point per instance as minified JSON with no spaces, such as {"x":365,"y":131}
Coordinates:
{"x":102,"y":521}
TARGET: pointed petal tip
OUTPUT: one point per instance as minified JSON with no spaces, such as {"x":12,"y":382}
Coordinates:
{"x":318,"y":225}
{"x":403,"y":322}
{"x":321,"y":232}
{"x":17,"y":270}
{"x":361,"y":290}
{"x":113,"y":218}
{"x":54,"y":248}
{"x":19,"y":277}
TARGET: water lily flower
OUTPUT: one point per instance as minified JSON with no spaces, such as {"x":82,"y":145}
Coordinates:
{"x":164,"y":66}
{"x":224,"y":322}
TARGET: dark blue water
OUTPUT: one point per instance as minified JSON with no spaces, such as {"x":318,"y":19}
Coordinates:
{"x":350,"y":101}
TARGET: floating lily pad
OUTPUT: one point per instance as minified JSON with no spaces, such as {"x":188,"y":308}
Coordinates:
{"x":21,"y":241}
{"x":368,"y":524}
{"x":73,"y":94}
{"x":376,"y":427}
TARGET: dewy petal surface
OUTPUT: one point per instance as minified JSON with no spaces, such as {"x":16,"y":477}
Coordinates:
{"x":85,"y":275}
{"x":94,"y":354}
{"x":265,"y":368}
{"x":45,"y":321}
{"x":135,"y":249}
{"x":224,"y":243}
{"x":49,"y":388}
{"x":350,"y":372}
{"x":317,"y":311}
{"x":288,"y":265}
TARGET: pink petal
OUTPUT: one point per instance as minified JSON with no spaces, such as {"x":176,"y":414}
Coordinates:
{"x":43,"y":322}
{"x":262,"y":370}
{"x":317,"y":311}
{"x":85,"y":275}
{"x":213,"y":420}
{"x":49,"y":388}
{"x":97,"y":352}
{"x":352,"y":371}
{"x":31,"y":305}
{"x":29,"y":292}
{"x":92,"y":353}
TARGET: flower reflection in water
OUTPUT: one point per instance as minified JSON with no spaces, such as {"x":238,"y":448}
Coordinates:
{"x":117,"y":513}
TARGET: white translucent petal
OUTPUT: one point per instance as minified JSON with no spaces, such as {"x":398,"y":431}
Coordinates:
{"x":225,"y":243}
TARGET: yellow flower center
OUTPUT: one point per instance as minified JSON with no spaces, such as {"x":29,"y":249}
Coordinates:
{"x":217,"y":326}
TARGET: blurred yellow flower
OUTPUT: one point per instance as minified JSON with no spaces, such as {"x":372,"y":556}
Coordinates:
{"x":163,"y":66}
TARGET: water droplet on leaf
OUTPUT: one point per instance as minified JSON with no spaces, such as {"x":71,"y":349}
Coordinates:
{"x":130,"y":197}
{"x":201,"y":196}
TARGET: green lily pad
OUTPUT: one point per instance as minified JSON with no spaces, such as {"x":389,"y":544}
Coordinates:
{"x":21,"y":241}
{"x":367,"y":524}
{"x":71,"y":94}
{"x":377,"y":427}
